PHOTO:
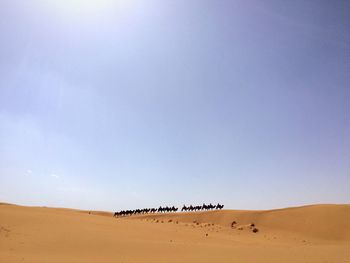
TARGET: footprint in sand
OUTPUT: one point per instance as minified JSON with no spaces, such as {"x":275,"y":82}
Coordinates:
{"x":233,"y":224}
{"x":4,"y":231}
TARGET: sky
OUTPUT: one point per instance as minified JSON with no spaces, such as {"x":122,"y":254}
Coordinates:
{"x":123,"y":104}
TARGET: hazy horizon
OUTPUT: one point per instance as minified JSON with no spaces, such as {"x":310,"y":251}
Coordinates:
{"x":123,"y":104}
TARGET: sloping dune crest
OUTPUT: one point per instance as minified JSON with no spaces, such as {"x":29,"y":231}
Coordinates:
{"x":317,"y":233}
{"x":328,"y":222}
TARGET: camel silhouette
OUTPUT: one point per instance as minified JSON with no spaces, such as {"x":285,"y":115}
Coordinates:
{"x":168,"y":209}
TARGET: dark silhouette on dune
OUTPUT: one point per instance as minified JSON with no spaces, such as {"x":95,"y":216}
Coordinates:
{"x":168,"y":209}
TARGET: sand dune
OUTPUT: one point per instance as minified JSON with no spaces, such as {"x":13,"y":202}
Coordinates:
{"x":325,"y":222}
{"x":319,"y":233}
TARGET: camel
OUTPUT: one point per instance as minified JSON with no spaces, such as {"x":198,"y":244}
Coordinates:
{"x":167,"y":209}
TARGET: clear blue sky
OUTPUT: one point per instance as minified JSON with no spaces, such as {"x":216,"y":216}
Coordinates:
{"x":124,"y":104}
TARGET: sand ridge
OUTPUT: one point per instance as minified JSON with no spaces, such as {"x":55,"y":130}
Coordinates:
{"x":324,"y":222}
{"x":304,"y":234}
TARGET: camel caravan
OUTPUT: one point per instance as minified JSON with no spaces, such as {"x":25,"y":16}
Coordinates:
{"x":167,"y":209}
{"x":202,"y":207}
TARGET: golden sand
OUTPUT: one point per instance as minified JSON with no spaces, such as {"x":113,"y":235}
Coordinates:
{"x":319,"y":233}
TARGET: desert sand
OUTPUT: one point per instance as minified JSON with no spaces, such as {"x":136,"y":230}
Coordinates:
{"x":317,"y":233}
